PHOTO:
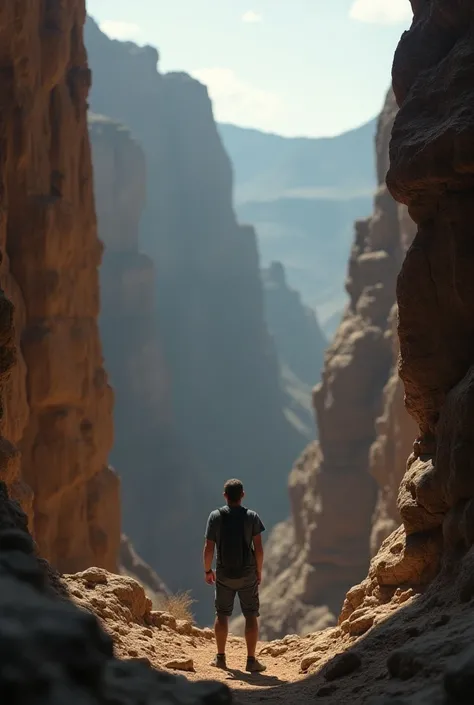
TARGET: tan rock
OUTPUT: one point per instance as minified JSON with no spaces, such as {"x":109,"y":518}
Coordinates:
{"x":180,"y":664}
{"x":58,"y":398}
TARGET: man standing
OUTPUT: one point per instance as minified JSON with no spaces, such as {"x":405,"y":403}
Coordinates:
{"x":237,"y":534}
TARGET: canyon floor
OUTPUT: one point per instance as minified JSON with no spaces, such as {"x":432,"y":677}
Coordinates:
{"x":418,"y":647}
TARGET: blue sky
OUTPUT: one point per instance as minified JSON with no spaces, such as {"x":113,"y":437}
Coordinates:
{"x":295,"y":67}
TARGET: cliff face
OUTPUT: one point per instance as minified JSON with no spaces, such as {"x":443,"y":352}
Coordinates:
{"x":58,"y":402}
{"x":146,"y":449}
{"x":226,"y":403}
{"x":434,"y":294}
{"x":332,"y":492}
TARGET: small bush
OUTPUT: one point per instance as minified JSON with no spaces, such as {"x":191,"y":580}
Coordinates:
{"x":179,"y":605}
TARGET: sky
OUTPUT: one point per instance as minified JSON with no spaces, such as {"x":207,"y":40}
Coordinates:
{"x":293,"y":67}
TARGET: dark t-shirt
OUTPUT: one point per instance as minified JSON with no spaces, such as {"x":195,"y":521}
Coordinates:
{"x":252,"y":527}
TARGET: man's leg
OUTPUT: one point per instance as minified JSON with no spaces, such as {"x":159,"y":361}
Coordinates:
{"x":251,"y":634}
{"x":250,"y":604}
{"x":221,"y":629}
{"x":224,"y":604}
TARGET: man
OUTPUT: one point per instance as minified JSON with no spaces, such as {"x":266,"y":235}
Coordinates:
{"x":237,"y":534}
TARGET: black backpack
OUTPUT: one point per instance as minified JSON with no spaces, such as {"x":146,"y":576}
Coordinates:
{"x":233,"y":549}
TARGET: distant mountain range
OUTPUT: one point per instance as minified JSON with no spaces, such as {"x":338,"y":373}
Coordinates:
{"x":303,"y":195}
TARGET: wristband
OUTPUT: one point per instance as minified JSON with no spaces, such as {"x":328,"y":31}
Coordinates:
{"x":207,"y":572}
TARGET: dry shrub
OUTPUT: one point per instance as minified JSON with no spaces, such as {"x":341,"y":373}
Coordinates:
{"x":178,"y":605}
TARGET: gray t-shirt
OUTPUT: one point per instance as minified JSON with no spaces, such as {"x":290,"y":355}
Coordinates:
{"x":253,"y":526}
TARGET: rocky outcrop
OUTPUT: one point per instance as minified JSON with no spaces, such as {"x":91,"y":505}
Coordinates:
{"x":52,"y":651}
{"x":225,"y":397}
{"x":58,"y":404}
{"x":332,"y":492}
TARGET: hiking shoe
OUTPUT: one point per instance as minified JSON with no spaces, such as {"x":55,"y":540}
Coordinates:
{"x":219,"y":662}
{"x":254,"y":666}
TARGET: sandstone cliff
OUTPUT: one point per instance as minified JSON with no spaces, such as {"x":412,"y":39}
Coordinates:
{"x":226,"y":402}
{"x":332,"y":492}
{"x":58,"y":404}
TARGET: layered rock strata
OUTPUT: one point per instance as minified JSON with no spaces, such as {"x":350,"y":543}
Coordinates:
{"x":58,"y":402}
{"x":332,"y":492}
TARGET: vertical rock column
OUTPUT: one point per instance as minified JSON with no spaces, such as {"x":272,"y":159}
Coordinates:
{"x":49,"y":234}
{"x":432,"y":172}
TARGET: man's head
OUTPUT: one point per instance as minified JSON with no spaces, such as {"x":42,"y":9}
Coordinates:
{"x":234,"y":491}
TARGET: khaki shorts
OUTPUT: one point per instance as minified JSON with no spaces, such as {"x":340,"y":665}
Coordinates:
{"x":247,"y":590}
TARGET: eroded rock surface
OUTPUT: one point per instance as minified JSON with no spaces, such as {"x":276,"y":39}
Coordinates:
{"x":58,"y":402}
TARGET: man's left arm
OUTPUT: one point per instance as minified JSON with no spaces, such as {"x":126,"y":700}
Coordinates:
{"x":258,"y":529}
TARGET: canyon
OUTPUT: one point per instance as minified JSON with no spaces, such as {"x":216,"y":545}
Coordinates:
{"x":404,"y":634}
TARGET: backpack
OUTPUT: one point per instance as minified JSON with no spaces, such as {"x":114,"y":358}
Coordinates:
{"x":233,"y":549}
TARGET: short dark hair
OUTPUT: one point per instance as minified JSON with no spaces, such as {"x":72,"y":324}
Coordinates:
{"x":233,"y":490}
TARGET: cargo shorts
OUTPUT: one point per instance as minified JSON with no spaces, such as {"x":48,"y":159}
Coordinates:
{"x":247,"y":590}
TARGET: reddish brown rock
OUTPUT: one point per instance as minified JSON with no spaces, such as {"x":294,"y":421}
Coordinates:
{"x":58,"y":399}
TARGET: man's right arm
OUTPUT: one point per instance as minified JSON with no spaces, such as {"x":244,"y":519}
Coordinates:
{"x":208,"y":552}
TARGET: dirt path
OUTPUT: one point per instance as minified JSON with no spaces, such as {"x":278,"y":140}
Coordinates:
{"x":248,"y":687}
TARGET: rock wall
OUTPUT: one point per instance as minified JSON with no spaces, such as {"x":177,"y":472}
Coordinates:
{"x":435,"y":326}
{"x":145,"y":449}
{"x":226,"y":401}
{"x":333,"y":495}
{"x":430,"y":173}
{"x":58,"y":404}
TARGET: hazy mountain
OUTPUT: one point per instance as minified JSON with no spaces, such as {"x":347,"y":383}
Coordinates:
{"x":303,"y":195}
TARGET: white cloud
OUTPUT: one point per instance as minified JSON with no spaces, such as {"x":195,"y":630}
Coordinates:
{"x":252,"y":17}
{"x":381,"y":11}
{"x":237,"y":101}
{"x":115,"y":29}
